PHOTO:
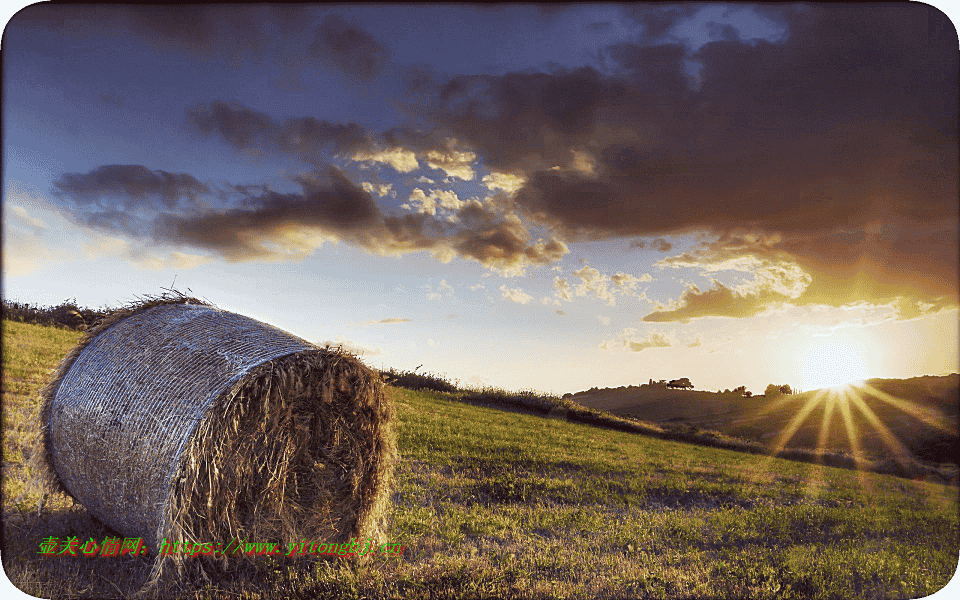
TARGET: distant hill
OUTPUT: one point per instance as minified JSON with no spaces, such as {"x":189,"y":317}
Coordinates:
{"x":921,"y":413}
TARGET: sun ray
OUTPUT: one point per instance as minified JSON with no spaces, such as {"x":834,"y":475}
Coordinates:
{"x":815,"y":483}
{"x":796,"y":422}
{"x":763,"y":467}
{"x":829,"y":408}
{"x":777,"y":402}
{"x":854,"y":439}
{"x":902,"y":455}
{"x":930,"y":417}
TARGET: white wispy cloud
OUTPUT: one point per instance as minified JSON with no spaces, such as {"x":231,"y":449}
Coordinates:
{"x":515,"y":295}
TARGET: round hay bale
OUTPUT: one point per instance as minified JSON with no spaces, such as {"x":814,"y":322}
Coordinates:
{"x":175,"y":420}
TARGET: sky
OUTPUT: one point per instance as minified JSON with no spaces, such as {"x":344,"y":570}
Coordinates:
{"x":522,"y":196}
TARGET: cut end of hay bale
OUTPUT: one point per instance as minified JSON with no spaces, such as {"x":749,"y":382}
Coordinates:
{"x":303,"y":450}
{"x":175,"y":420}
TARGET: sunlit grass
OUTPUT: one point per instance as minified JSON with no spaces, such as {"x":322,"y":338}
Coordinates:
{"x":497,"y":504}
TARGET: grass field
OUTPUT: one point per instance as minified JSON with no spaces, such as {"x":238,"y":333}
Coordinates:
{"x":496,"y":504}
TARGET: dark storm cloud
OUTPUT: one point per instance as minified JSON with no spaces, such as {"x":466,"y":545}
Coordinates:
{"x":348,"y":47}
{"x":520,"y":116}
{"x":659,"y":244}
{"x":332,"y":204}
{"x":175,"y":209}
{"x":129,"y":186}
{"x":207,"y":31}
{"x":848,"y":121}
{"x":253,"y":222}
{"x":307,"y":137}
{"x":658,"y":20}
{"x":503,"y":242}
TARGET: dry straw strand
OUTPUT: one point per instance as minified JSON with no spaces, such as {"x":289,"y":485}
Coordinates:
{"x":173,"y":419}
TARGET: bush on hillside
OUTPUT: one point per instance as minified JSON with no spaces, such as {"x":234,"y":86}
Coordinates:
{"x":417,"y":381}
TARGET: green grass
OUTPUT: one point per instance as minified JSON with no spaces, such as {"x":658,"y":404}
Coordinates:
{"x":498,"y":504}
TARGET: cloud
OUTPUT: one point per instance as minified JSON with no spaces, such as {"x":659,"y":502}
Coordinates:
{"x":595,"y":283}
{"x":128,"y":187}
{"x":563,"y":289}
{"x":654,"y":340}
{"x":381,"y":190}
{"x":629,"y":339}
{"x":140,"y":256}
{"x":166,"y":208}
{"x":660,"y":20}
{"x":19,"y":215}
{"x":312,"y":140}
{"x":901,"y":265}
{"x":661,"y":244}
{"x":241,"y":223}
{"x":437,"y":199}
{"x":501,"y":241}
{"x":718,"y":301}
{"x":276,"y":224}
{"x":401,"y":159}
{"x":770,"y":138}
{"x":851,"y":180}
{"x":452,"y":162}
{"x":503,"y":181}
{"x":315,"y":141}
{"x":348,"y":47}
{"x":390,"y":320}
{"x":204,"y":31}
{"x":25,"y":254}
{"x":515,"y":295}
{"x":777,"y":279}
{"x":444,"y":290}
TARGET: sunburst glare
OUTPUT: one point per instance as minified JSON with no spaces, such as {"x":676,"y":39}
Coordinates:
{"x":832,"y":361}
{"x":872,"y":432}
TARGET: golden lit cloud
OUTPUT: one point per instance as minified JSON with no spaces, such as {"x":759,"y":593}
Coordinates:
{"x":503,"y":181}
{"x":382,"y":190}
{"x":600,"y":285}
{"x":401,"y":159}
{"x":429,"y":204}
{"x":515,"y":295}
{"x":631,"y":339}
{"x":452,"y":162}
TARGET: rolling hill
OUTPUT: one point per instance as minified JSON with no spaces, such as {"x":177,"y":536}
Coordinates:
{"x":920,"y":413}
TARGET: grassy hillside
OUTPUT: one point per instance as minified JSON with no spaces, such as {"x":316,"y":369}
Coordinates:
{"x":921,"y":413}
{"x":495,"y":504}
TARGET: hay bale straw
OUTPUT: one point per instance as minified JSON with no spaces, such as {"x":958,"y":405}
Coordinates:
{"x":174,"y":419}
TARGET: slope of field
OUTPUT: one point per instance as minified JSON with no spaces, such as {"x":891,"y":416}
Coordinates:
{"x":920,"y":413}
{"x":495,"y":504}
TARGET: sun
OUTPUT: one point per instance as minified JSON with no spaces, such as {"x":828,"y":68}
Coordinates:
{"x":832,"y":361}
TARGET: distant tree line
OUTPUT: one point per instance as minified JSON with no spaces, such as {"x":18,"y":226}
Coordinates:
{"x":682,"y":383}
{"x":67,"y":314}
